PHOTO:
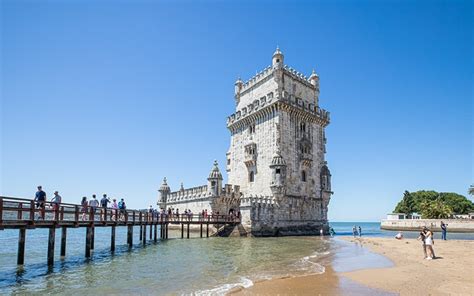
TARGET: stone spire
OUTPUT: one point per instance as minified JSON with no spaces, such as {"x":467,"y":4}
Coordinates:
{"x":215,"y":172}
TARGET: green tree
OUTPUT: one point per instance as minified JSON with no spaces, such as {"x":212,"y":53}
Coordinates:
{"x":406,"y":205}
{"x":417,"y":202}
{"x":435,"y":209}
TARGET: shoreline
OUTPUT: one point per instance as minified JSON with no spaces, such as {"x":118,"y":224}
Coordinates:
{"x":409,"y":274}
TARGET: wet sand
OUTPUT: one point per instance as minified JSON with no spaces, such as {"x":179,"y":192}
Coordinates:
{"x":451,"y":274}
{"x":353,"y":270}
{"x":345,"y":257}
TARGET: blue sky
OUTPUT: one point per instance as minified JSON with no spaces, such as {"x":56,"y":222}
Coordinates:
{"x":111,"y":96}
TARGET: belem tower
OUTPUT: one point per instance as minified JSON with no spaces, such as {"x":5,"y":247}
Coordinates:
{"x":277,"y":174}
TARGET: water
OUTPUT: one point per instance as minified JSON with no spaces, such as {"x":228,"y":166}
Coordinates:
{"x":176,"y":266}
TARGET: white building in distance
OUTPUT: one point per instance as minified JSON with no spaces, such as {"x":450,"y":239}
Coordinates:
{"x":280,"y":181}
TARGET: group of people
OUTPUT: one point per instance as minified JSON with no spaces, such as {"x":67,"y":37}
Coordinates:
{"x":88,"y":207}
{"x":426,"y":237}
{"x":357,"y":231}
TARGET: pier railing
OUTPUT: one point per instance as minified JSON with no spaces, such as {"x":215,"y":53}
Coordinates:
{"x":20,"y":212}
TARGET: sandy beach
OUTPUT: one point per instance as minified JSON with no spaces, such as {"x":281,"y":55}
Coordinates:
{"x":452,"y":273}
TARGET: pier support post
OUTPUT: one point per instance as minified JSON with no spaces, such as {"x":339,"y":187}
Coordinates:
{"x":21,"y":247}
{"x":156,"y":230}
{"x":166,"y":229}
{"x":141,"y":232}
{"x":130,"y":235}
{"x":182,"y":230}
{"x":88,"y":241}
{"x":63,"y":241}
{"x":52,"y":236}
{"x":112,"y":239}
{"x":151,"y":231}
{"x":92,"y":237}
{"x":201,"y":229}
{"x":187,"y":234}
{"x":144,"y":235}
{"x":207,"y":230}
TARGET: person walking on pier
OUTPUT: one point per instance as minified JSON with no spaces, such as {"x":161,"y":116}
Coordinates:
{"x":93,"y":203}
{"x":104,"y":202}
{"x":84,"y":205}
{"x":114,"y":209}
{"x":55,"y":201}
{"x":444,"y":229}
{"x":40,"y":199}
{"x":122,"y":207}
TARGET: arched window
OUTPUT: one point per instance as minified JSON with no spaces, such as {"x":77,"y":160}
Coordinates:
{"x":303,"y":176}
{"x":251,"y":176}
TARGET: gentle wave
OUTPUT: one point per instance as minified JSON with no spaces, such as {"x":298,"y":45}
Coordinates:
{"x":223,"y":289}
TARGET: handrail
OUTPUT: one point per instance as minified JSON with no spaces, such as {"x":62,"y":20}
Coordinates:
{"x":26,"y":210}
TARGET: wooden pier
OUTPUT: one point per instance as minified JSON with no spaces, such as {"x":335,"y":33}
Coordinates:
{"x":23,"y":214}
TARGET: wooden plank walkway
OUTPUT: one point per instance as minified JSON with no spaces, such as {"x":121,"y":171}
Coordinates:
{"x":23,"y":214}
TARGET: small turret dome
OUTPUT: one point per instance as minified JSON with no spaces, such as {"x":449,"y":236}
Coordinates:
{"x":278,"y":57}
{"x":277,"y":159}
{"x":164,"y":186}
{"x":215,"y":172}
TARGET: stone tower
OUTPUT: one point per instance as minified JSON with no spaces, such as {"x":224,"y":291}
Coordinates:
{"x":277,"y":152}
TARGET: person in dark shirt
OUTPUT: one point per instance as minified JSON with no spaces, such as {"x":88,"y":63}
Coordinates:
{"x":40,"y":199}
{"x":444,"y":230}
{"x":104,"y":203}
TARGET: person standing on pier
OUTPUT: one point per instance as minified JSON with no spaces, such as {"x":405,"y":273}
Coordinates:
{"x":93,"y":203}
{"x":56,"y":200}
{"x":444,"y":230}
{"x":104,"y":202}
{"x":122,"y":207}
{"x":114,"y":209}
{"x":40,"y":199}
{"x":84,"y":205}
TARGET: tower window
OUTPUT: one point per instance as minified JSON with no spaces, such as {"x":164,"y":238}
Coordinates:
{"x":277,"y":171}
{"x":302,"y":127}
{"x":251,"y":176}
{"x":228,"y":161}
{"x":252,"y":129}
{"x":303,"y":176}
{"x":278,"y":60}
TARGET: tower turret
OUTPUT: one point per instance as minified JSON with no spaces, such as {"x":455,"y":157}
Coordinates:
{"x":214,"y":181}
{"x":238,"y":87}
{"x":278,"y":167}
{"x":164,"y":192}
{"x":278,"y":57}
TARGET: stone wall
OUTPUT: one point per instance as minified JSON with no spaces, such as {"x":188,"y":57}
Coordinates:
{"x":457,"y":225}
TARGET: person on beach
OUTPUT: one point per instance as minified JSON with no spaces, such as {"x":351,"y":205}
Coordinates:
{"x":421,"y":238}
{"x":332,"y":232}
{"x":354,"y":231}
{"x":429,"y":242}
{"x":444,"y":229}
{"x":399,"y":235}
{"x":40,"y":199}
{"x":321,"y":232}
{"x":360,"y":231}
{"x":84,"y":205}
{"x":56,"y":200}
{"x":104,"y":202}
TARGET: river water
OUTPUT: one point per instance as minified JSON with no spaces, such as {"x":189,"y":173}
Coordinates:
{"x":175,"y":266}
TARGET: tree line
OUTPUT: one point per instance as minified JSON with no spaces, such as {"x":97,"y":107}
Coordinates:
{"x":434,"y":205}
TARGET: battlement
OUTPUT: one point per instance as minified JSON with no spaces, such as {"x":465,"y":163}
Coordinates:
{"x":257,"y":78}
{"x":188,"y":194}
{"x":199,"y":192}
{"x":250,"y":200}
{"x":258,"y":106}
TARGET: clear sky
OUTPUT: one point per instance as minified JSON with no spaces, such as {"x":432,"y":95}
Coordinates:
{"x":111,"y":96}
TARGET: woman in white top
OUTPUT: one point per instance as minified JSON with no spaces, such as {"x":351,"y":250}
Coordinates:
{"x":429,"y":244}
